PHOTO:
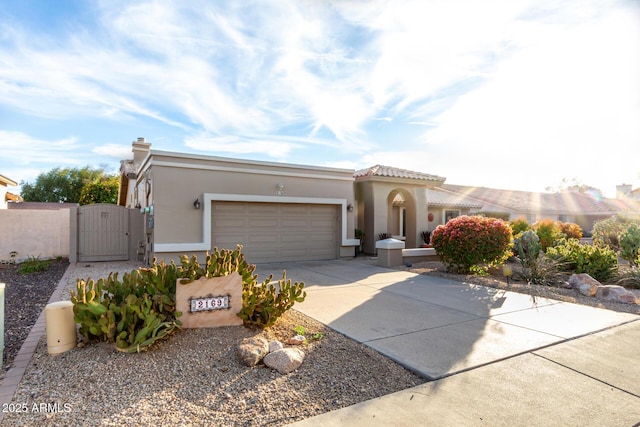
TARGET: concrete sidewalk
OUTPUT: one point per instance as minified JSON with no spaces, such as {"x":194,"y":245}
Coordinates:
{"x":493,"y":357}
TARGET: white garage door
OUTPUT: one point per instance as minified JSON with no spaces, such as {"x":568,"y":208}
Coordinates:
{"x":274,"y":232}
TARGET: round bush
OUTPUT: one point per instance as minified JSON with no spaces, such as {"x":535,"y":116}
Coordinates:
{"x":470,"y":243}
{"x":519,"y":225}
{"x":600,"y":262}
{"x":548,"y":232}
{"x":570,"y":230}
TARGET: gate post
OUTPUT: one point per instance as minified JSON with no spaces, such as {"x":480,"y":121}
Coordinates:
{"x":73,"y":234}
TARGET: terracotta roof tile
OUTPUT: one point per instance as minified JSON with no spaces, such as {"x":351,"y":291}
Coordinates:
{"x":564,"y":202}
{"x":441,"y":197}
{"x":391,"y":172}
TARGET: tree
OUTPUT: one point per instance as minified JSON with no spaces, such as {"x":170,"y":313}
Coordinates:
{"x":575,"y":186}
{"x":102,"y":190}
{"x":60,"y":185}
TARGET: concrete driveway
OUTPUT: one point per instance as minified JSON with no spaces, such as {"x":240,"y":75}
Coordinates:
{"x":492,"y":357}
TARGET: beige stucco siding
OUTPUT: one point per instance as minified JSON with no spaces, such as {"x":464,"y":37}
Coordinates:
{"x":177,"y":181}
{"x":37,"y":233}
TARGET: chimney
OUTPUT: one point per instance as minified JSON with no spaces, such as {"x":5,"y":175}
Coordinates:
{"x":623,"y":190}
{"x":140,"y":149}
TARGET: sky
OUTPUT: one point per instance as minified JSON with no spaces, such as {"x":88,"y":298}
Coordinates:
{"x":512,"y":94}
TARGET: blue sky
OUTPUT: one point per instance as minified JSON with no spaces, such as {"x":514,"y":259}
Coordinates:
{"x":505,"y":94}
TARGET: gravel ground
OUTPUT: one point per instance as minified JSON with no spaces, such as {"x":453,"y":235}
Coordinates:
{"x":26,"y":295}
{"x":194,"y":378}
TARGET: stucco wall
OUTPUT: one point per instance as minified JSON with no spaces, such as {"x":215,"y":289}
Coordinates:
{"x":38,"y":233}
{"x":177,"y":180}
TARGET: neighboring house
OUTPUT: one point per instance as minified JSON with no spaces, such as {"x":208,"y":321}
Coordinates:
{"x":444,"y":205}
{"x":583,"y":209}
{"x":5,"y":195}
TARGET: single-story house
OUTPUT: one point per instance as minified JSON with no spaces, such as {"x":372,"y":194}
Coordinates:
{"x":583,"y":209}
{"x":190,"y":204}
{"x":278,"y":212}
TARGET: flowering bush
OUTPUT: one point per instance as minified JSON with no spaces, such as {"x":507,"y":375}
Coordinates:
{"x":470,"y":243}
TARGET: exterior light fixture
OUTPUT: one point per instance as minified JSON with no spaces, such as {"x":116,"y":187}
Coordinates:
{"x":350,"y":207}
{"x":196,"y":204}
{"x":507,"y":272}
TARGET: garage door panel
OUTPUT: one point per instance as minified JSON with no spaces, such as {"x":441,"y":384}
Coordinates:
{"x":277,"y":232}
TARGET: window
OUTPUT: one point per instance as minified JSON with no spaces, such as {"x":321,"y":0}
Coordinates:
{"x":448,"y":215}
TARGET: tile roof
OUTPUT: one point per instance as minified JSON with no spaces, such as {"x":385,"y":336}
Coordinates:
{"x":391,"y":172}
{"x":441,"y":197}
{"x":563,"y":202}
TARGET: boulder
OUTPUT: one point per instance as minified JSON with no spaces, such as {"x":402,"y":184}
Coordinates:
{"x":616,"y":293}
{"x":284,"y":360}
{"x":251,"y":350}
{"x":275,"y":345}
{"x":584,"y":283}
{"x":297,"y":340}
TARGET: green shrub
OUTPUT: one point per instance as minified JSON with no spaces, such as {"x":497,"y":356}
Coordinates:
{"x":599,"y":262}
{"x":629,"y":278}
{"x":548,"y":232}
{"x":134,"y":312}
{"x":607,"y":232}
{"x":140,"y":310}
{"x":33,"y":265}
{"x":527,"y":248}
{"x":495,"y":214}
{"x":470,"y":243}
{"x":630,"y":244}
{"x":519,"y":225}
{"x":570,"y":230}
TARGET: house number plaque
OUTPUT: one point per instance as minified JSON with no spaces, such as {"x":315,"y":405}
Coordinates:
{"x":209,"y":303}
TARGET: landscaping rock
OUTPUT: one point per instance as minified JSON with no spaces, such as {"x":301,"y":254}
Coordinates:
{"x":297,"y":340}
{"x":251,"y":350}
{"x":275,"y":345}
{"x":285,"y":360}
{"x":584,"y":283}
{"x":616,"y":293}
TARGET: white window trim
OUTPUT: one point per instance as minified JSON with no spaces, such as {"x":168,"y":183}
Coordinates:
{"x":208,"y":198}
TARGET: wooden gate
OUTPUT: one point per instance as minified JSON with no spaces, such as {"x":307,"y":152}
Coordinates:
{"x":103,"y":233}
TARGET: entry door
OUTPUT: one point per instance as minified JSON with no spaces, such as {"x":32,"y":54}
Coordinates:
{"x":103,"y":233}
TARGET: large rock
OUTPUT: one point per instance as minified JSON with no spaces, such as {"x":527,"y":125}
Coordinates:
{"x":285,"y":360}
{"x":616,"y":293}
{"x":585,"y":284}
{"x":275,"y":345}
{"x":251,"y":350}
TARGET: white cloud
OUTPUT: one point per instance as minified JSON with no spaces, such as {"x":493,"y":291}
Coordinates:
{"x":240,"y":145}
{"x":563,"y":105}
{"x":19,"y":149}
{"x":468,"y":90}
{"x":115,"y":151}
